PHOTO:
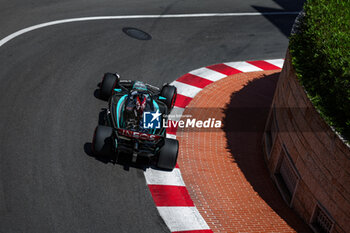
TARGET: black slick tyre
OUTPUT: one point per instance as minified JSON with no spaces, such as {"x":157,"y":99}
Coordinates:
{"x":102,"y":144}
{"x":109,"y":82}
{"x":167,"y":157}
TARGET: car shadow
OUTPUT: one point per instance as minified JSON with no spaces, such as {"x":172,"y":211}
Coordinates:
{"x":124,"y":160}
{"x":244,"y":143}
{"x":97,"y":94}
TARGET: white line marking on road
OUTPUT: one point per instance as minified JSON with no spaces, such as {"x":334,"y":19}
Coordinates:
{"x":42,"y":25}
{"x":185,"y":89}
{"x":164,"y":178}
{"x":243,"y":66}
{"x":182,"y":218}
{"x":206,"y":73}
{"x":276,"y":62}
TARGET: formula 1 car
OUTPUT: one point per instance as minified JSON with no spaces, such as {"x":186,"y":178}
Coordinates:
{"x":134,"y":121}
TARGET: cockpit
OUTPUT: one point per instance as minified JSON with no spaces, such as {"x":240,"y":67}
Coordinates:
{"x":137,"y":102}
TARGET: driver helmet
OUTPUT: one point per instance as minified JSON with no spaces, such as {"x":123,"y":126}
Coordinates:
{"x":140,"y":104}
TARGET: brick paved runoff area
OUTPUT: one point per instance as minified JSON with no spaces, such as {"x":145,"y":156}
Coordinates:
{"x":224,"y":169}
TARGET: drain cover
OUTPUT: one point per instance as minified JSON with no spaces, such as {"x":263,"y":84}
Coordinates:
{"x":137,"y":33}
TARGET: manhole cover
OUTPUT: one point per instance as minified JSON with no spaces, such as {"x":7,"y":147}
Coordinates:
{"x":137,"y":33}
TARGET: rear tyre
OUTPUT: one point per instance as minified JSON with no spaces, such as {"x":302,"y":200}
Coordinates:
{"x":109,"y":82}
{"x":168,"y":154}
{"x":102,"y":144}
{"x":169,"y":93}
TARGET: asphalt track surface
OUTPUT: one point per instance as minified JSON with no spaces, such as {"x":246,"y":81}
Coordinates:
{"x":49,"y":182}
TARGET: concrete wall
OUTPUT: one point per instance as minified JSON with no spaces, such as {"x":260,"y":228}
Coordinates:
{"x":308,"y":161}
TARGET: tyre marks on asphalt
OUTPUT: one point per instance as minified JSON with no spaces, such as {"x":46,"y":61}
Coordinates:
{"x":168,"y":189}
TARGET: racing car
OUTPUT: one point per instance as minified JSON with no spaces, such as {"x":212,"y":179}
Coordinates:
{"x":134,"y":121}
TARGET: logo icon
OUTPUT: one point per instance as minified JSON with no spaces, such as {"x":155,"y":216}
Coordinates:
{"x":151,"y":120}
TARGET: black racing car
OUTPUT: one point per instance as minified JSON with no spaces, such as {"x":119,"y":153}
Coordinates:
{"x":134,"y":121}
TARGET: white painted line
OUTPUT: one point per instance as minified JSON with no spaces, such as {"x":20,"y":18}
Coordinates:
{"x":185,"y":89}
{"x":172,"y":136}
{"x":243,"y":66}
{"x":208,"y":74}
{"x":42,"y":25}
{"x":276,"y":62}
{"x":176,"y":114}
{"x":164,"y":178}
{"x":182,"y":218}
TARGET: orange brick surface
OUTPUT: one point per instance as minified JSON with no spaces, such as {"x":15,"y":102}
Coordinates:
{"x":224,"y":169}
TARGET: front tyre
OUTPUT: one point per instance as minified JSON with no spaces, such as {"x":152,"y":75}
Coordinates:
{"x":102,"y":144}
{"x":167,"y":157}
{"x":109,"y":82}
{"x":169,"y":93}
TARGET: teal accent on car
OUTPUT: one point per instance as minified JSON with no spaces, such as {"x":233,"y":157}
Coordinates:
{"x":122,"y":116}
{"x":118,"y":90}
{"x":118,"y":106}
{"x":162,"y":132}
{"x":156,"y":106}
{"x":162,"y":98}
